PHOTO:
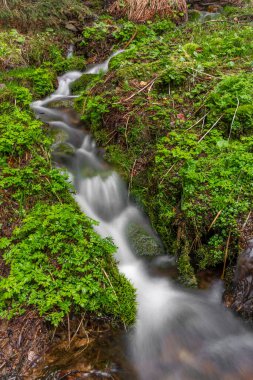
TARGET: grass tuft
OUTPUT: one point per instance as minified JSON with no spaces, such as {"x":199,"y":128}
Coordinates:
{"x":143,"y":10}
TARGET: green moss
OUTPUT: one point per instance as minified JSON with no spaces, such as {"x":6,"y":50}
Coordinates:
{"x":194,"y":15}
{"x":175,"y":117}
{"x":230,"y":90}
{"x":86,"y":80}
{"x":39,"y":15}
{"x":55,"y":263}
{"x":186,"y":272}
{"x":59,"y":264}
{"x":191,"y":48}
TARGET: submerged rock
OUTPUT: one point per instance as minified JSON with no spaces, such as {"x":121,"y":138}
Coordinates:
{"x":242,"y":297}
{"x":202,"y":16}
{"x":244,"y":267}
{"x":70,"y":26}
{"x":143,"y":240}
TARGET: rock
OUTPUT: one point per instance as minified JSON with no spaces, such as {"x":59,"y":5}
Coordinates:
{"x":71,"y":27}
{"x":143,"y":241}
{"x":242,"y":295}
{"x":194,"y":15}
{"x":244,"y":268}
{"x":63,"y":148}
{"x":202,"y":16}
{"x":82,"y":83}
{"x":208,"y":16}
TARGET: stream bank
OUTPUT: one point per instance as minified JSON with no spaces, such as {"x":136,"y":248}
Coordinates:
{"x":153,"y":114}
{"x":155,"y":349}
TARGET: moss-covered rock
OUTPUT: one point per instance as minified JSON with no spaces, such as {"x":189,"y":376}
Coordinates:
{"x":143,"y":241}
{"x":83,"y":82}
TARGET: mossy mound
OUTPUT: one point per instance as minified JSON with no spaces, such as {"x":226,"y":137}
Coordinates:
{"x":37,"y":15}
{"x":176,"y":117}
{"x":83,"y":82}
{"x":47,"y":49}
{"x":58,"y":264}
{"x":51,"y":260}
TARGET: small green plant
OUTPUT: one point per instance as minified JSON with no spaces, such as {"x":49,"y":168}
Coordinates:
{"x":231,"y":90}
{"x":97,"y":32}
{"x":182,"y":134}
{"x":58,"y":264}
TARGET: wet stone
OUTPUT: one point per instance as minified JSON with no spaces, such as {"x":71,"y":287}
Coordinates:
{"x":241,"y":300}
{"x":143,"y":242}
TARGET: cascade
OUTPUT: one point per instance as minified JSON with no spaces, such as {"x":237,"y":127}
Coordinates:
{"x":179,"y":334}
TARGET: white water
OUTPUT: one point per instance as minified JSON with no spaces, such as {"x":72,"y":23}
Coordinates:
{"x":178,"y":335}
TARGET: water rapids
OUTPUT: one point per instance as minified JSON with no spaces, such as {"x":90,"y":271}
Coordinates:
{"x":178,"y":335}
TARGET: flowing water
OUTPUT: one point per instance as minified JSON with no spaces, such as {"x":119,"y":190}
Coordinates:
{"x":178,"y":335}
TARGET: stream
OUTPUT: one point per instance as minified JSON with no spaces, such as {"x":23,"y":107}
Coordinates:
{"x":179,"y":334}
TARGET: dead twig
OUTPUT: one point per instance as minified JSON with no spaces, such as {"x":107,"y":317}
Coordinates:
{"x":68,"y":329}
{"x":150,"y":87}
{"x":108,"y":77}
{"x":53,"y":335}
{"x":131,"y":39}
{"x":131,"y":177}
{"x":77,"y":329}
{"x":214,"y":221}
{"x":197,"y":122}
{"x":227,"y":21}
{"x":126,"y":131}
{"x":110,"y":133}
{"x":226,"y":255}
{"x":246,"y":221}
{"x":231,"y":126}
{"x":168,"y":171}
{"x":209,"y":130}
{"x":106,"y":275}
{"x":78,"y":353}
{"x":142,"y":89}
{"x":6,"y":5}
{"x":203,"y":73}
{"x":113,"y":135}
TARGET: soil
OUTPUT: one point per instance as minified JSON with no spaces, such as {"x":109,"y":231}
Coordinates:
{"x":22,"y":342}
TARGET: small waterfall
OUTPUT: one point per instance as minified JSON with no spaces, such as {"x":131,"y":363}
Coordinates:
{"x":179,"y":335}
{"x":102,"y":67}
{"x":70,"y":51}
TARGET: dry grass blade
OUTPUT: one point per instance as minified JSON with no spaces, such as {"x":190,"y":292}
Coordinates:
{"x":214,"y":221}
{"x":209,"y":130}
{"x":6,"y":5}
{"x":167,"y":172}
{"x":131,"y":177}
{"x":142,"y":89}
{"x":246,"y":221}
{"x":232,"y":123}
{"x":142,"y":10}
{"x":197,"y":122}
{"x":78,"y":328}
{"x":69,"y":340}
{"x":226,"y":256}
